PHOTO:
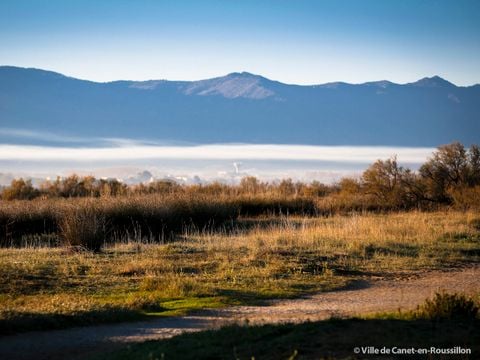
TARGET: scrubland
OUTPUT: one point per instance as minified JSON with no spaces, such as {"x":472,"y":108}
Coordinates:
{"x":85,"y":251}
{"x":255,"y":259}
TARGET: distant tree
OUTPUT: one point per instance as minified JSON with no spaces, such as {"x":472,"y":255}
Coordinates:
{"x":287,"y":187}
{"x":349,"y":186}
{"x":112,"y":187}
{"x":390,"y":183}
{"x":70,"y":186}
{"x":451,"y":168}
{"x":88,"y":186}
{"x":249,"y":185}
{"x":315,"y":188}
{"x":20,"y":189}
{"x":163,"y":187}
{"x":474,"y":165}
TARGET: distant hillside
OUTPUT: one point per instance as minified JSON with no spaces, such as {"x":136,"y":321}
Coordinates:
{"x":241,"y":107}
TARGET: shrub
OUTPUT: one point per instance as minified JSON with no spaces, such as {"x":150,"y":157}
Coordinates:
{"x":20,"y":189}
{"x":475,"y":223}
{"x":466,"y":197}
{"x":25,"y":218}
{"x":83,"y":227}
{"x":448,"y":306}
{"x":451,"y":168}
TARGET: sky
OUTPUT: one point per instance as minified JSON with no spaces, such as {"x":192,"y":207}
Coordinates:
{"x":301,"y":41}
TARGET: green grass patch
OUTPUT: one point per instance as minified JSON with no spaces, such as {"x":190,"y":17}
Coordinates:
{"x":184,"y":306}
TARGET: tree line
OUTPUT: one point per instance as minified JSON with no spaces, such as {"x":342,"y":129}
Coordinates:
{"x":451,"y":176}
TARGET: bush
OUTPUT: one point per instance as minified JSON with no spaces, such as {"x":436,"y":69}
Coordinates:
{"x":20,"y":189}
{"x":466,"y":197}
{"x":20,"y":219}
{"x":475,"y":223}
{"x":83,"y":227}
{"x":448,"y":306}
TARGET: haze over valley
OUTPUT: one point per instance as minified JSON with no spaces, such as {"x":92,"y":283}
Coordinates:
{"x":195,"y":131}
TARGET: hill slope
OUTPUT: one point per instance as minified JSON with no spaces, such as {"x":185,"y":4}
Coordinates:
{"x":241,"y":107}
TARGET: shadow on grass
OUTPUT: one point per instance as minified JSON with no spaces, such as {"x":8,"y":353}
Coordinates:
{"x":331,"y":339}
{"x":470,"y":252}
{"x":21,"y":322}
{"x":16,"y":322}
{"x":395,"y":249}
{"x":356,"y":284}
{"x":265,"y":297}
{"x":243,"y":297}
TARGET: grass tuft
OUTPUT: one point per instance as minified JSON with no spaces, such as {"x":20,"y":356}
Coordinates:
{"x":448,"y":306}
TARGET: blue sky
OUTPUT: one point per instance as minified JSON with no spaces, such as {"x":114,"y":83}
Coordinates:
{"x":301,"y":41}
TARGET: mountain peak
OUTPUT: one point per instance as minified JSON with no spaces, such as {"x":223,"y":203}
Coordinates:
{"x":432,"y":82}
{"x":233,"y":85}
{"x":243,"y":74}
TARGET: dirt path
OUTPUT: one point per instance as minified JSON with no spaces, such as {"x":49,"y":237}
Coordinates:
{"x":364,"y":297}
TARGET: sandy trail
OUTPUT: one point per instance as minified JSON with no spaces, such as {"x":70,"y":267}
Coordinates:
{"x":364,"y":297}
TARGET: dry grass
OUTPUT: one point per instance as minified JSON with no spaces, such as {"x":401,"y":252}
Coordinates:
{"x":263,"y":258}
{"x":50,"y":221}
{"x":409,"y":241}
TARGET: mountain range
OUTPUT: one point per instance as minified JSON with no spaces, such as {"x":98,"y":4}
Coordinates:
{"x":239,"y":108}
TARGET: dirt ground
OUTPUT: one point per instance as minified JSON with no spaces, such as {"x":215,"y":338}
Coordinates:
{"x":363,"y":297}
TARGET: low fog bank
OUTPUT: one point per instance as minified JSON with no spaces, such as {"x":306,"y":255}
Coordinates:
{"x":135,"y":163}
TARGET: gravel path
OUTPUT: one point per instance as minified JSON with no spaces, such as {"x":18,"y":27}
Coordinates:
{"x":364,"y":297}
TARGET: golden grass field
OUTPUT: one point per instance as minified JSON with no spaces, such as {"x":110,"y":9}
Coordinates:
{"x":261,"y":258}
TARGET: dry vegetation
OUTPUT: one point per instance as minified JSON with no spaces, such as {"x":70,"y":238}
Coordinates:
{"x":260,"y":258}
{"x":89,"y":212}
{"x":80,"y":250}
{"x":90,"y":222}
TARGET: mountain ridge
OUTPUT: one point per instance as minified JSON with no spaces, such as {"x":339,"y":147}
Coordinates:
{"x":238,"y":74}
{"x":241,"y":107}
